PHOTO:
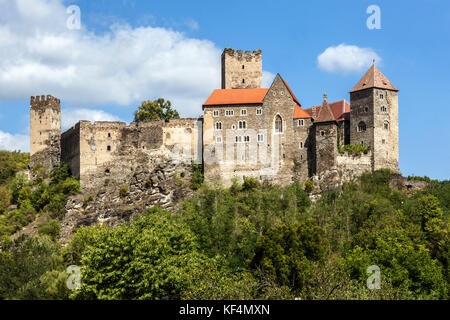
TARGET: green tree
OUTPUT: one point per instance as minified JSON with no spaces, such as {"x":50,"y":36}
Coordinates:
{"x":158,"y":109}
{"x":150,"y":258}
{"x":5,"y":198}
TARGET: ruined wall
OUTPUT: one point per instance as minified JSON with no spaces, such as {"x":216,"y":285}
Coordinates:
{"x":241,"y":70}
{"x":45,"y":131}
{"x":353,"y":166}
{"x":111,"y":152}
{"x":70,"y":149}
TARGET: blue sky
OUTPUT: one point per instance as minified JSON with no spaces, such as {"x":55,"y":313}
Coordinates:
{"x":129,"y":51}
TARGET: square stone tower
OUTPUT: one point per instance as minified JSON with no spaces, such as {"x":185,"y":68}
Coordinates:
{"x":241,"y":70}
{"x":45,"y":131}
{"x":374,"y":118}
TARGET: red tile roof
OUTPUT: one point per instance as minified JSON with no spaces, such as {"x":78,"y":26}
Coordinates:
{"x":340,"y":110}
{"x":236,"y":96}
{"x":374,"y":79}
{"x":299,"y":113}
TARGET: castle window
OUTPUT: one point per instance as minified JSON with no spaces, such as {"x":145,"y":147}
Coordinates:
{"x":242,"y":67}
{"x":243,"y":81}
{"x":383,"y":141}
{"x":108,"y":148}
{"x":246,"y":138}
{"x":361,"y":127}
{"x":381,"y":96}
{"x":278,"y":124}
{"x":301,"y":123}
{"x":219,"y":125}
{"x":362,"y":142}
{"x":260,"y":137}
{"x":229,"y":112}
{"x":242,"y":124}
{"x":107,"y":172}
{"x":109,"y":135}
{"x":366,"y":109}
{"x":218,"y":139}
{"x":383,"y":109}
{"x":93,"y":148}
{"x":301,"y":145}
{"x":238,"y":138}
{"x":258,"y":112}
{"x":322,"y":133}
{"x":301,"y":157}
{"x":233,"y":127}
{"x":215,"y":113}
{"x":243,"y":112}
{"x":386,"y":125}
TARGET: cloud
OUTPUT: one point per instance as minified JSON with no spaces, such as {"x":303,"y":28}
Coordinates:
{"x":14,"y":142}
{"x":69,"y":117}
{"x":267,"y":79}
{"x":347,"y":58}
{"x":124,"y":66}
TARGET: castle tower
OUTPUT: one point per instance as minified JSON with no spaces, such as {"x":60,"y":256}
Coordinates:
{"x":326,"y":138}
{"x":241,"y":70}
{"x":374,"y":118}
{"x":45,"y":131}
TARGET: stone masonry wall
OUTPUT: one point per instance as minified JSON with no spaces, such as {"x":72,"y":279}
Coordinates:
{"x":241,"y":70}
{"x":45,"y":131}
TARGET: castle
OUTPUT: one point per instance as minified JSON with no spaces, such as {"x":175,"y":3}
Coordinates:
{"x":245,"y":131}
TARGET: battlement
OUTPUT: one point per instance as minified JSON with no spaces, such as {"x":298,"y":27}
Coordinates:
{"x":42,"y":103}
{"x":241,"y":69}
{"x":239,"y":53}
{"x":37,"y":99}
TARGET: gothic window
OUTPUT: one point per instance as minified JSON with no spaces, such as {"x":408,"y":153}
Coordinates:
{"x":219,"y":125}
{"x":361,"y":126}
{"x":386,"y":125}
{"x":278,"y":124}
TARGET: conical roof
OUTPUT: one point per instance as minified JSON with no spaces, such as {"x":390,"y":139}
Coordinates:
{"x":374,"y":79}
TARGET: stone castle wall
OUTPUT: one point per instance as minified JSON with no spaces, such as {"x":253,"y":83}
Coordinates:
{"x":241,"y":69}
{"x":45,"y":131}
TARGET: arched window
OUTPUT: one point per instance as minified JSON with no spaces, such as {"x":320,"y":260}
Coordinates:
{"x":278,"y":124}
{"x":361,"y":126}
{"x":386,"y":125}
{"x":242,"y":124}
{"x":219,"y":125}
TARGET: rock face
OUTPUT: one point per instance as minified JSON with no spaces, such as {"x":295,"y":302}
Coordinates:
{"x":162,"y":183}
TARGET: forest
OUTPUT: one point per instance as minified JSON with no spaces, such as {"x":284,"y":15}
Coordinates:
{"x":250,"y":241}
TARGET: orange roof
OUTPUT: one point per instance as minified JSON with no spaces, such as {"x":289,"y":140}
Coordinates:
{"x":340,"y":110}
{"x":236,"y":96}
{"x":374,"y":79}
{"x":299,"y":113}
{"x":292,"y":93}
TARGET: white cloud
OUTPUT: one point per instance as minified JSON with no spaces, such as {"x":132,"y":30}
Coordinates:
{"x":347,"y":58}
{"x":39,"y":55}
{"x":267,"y":79}
{"x":14,"y":142}
{"x":69,"y":117}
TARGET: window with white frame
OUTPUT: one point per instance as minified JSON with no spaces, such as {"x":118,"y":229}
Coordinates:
{"x":243,"y":112}
{"x":278,"y":124}
{"x":246,"y":138}
{"x":238,"y":139}
{"x":218,"y":139}
{"x":242,"y":124}
{"x":301,"y":145}
{"x":259,"y":112}
{"x":215,"y":113}
{"x":229,"y":112}
{"x":218,"y":125}
{"x":260,"y":137}
{"x":301,"y":123}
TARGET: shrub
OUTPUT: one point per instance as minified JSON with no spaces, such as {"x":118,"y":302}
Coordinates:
{"x":197,"y":176}
{"x":309,"y":186}
{"x":354,"y":149}
{"x":52,"y":228}
{"x":123,"y":191}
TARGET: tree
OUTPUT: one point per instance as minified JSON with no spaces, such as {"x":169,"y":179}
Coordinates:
{"x":158,"y":109}
{"x":151,"y":258}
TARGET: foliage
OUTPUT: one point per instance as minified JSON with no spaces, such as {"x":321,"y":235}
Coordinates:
{"x":158,"y":109}
{"x":52,"y":228}
{"x":11,"y":163}
{"x":354,"y":149}
{"x":309,"y":186}
{"x":197,"y":176}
